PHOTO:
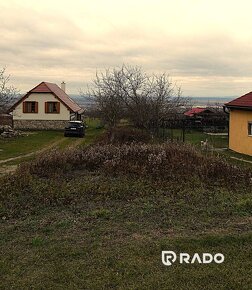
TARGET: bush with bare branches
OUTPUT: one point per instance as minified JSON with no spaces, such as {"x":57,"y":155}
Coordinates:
{"x":168,"y":161}
{"x":129,"y":92}
{"x":7,"y":92}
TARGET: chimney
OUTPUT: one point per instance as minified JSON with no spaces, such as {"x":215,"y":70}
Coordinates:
{"x":63,"y":86}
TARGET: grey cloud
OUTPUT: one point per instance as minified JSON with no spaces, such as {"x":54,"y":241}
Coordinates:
{"x":49,"y":45}
{"x":209,"y":56}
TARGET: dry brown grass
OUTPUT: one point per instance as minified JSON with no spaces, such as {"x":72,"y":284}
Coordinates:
{"x":169,"y":161}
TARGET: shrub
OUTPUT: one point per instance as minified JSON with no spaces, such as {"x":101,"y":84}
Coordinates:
{"x":125,"y":135}
{"x":169,"y":161}
{"x":122,"y":171}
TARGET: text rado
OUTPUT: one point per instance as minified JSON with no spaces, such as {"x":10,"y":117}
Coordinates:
{"x":170,"y":257}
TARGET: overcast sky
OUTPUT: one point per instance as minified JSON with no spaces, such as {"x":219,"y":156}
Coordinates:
{"x":204,"y":45}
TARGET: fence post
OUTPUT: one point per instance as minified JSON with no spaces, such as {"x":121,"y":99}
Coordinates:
{"x":183,"y":131}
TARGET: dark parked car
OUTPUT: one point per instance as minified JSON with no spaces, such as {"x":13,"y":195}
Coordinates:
{"x":75,"y":128}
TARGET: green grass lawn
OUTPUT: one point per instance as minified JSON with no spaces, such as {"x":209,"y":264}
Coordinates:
{"x":34,"y":141}
{"x":111,"y":232}
{"x":217,"y":142}
{"x":195,"y":137}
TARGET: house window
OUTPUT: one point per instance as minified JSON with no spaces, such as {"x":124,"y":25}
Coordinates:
{"x":250,"y":128}
{"x":30,"y":107}
{"x":52,"y":107}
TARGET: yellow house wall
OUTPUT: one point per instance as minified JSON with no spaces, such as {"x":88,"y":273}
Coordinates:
{"x":41,"y":115}
{"x":239,"y":140}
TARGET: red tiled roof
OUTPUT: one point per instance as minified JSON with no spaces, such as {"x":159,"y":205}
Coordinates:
{"x":243,"y":101}
{"x":195,"y":111}
{"x":41,"y":88}
{"x":46,"y":87}
{"x":63,"y":97}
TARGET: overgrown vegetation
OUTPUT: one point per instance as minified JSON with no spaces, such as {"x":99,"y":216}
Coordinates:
{"x":168,"y":161}
{"x":97,"y":217}
{"x":124,"y":135}
{"x":169,"y":165}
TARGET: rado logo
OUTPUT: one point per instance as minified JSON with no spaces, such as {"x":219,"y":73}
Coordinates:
{"x":170,"y":257}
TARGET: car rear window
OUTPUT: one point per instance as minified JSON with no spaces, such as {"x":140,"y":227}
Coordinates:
{"x":72,"y":124}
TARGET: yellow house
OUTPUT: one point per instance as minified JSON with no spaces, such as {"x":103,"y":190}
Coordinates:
{"x":240,"y":124}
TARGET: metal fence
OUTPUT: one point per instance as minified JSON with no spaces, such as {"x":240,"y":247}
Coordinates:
{"x":175,"y":129}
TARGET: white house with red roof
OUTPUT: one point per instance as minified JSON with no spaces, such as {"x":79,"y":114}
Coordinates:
{"x":46,"y":106}
{"x":240,"y":124}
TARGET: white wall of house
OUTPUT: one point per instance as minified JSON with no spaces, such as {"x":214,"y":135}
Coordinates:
{"x":41,"y":115}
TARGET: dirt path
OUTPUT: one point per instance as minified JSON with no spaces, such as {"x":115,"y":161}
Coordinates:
{"x":4,"y":169}
{"x":34,"y":152}
{"x":241,"y":159}
{"x":76,"y":143}
{"x":19,"y":157}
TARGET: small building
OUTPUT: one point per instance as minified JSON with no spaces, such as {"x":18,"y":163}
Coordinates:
{"x":240,"y":124}
{"x":46,"y":106}
{"x":200,"y":118}
{"x":198,"y":112}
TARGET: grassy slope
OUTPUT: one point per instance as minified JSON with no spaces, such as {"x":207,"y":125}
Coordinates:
{"x":105,"y":247}
{"x":112,"y":237}
{"x":107,"y":232}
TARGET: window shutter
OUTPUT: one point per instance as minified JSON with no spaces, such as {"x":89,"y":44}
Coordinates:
{"x":24,"y":107}
{"x":46,"y":107}
{"x":36,"y":107}
{"x":58,"y":107}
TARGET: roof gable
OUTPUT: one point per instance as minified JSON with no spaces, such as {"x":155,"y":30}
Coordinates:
{"x":243,"y":101}
{"x":58,"y":92}
{"x":46,"y":87}
{"x":41,"y":88}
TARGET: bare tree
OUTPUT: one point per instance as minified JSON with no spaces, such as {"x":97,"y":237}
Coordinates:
{"x":104,"y":93}
{"x":7,"y":92}
{"x":132,"y":93}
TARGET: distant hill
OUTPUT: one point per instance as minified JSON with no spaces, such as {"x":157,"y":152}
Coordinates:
{"x":210,"y":101}
{"x":81,"y":100}
{"x":197,"y":101}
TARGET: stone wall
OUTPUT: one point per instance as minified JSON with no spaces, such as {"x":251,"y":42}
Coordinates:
{"x":5,"y":120}
{"x":39,"y":124}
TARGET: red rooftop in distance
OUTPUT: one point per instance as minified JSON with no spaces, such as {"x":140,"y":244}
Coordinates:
{"x":196,"y":111}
